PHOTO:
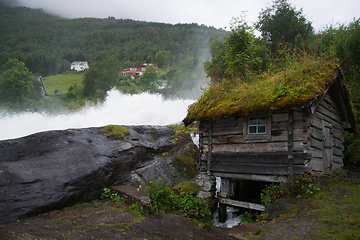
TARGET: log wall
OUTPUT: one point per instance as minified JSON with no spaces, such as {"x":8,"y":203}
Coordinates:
{"x":326,"y":137}
{"x":232,"y":152}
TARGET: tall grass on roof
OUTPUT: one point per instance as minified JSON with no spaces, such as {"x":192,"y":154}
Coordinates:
{"x":304,"y":79}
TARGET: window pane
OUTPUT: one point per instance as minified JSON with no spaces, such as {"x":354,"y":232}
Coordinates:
{"x":252,"y":129}
{"x":262,"y":121}
{"x":261,"y":129}
{"x":252,"y":121}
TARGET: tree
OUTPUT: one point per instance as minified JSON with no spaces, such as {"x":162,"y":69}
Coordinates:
{"x":16,"y":82}
{"x":238,"y":55}
{"x":164,"y":59}
{"x":216,"y":67}
{"x":102,"y":75}
{"x":149,"y":80}
{"x":282,"y":22}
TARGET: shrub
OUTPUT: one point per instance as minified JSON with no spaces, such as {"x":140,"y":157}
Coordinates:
{"x":179,"y":199}
{"x":302,"y":186}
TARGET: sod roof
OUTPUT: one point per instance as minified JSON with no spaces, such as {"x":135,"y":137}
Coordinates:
{"x":298,"y":85}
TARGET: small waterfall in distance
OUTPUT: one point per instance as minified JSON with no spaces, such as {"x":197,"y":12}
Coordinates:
{"x":118,"y":108}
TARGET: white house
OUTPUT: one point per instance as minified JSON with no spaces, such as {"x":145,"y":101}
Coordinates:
{"x":79,"y":66}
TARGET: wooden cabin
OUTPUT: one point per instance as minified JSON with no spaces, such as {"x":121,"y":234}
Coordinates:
{"x":274,"y":142}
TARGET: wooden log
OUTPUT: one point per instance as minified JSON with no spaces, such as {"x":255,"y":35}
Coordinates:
{"x":280,"y":117}
{"x":261,"y":158}
{"x":291,"y":146}
{"x":316,"y":123}
{"x":256,"y":168}
{"x":315,"y":143}
{"x":338,"y":134}
{"x":321,"y":116}
{"x":338,"y":152}
{"x":241,"y":204}
{"x":208,"y":165}
{"x":252,"y":177}
{"x":317,"y":164}
{"x":316,"y":134}
{"x":251,"y":147}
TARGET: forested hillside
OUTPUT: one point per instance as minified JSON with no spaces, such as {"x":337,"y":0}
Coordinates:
{"x":48,"y":44}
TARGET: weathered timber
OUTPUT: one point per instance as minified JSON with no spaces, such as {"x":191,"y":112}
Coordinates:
{"x":256,"y":168}
{"x":208,"y":166}
{"x":252,"y":177}
{"x":315,"y":143}
{"x":251,"y":147}
{"x":241,"y":204}
{"x":291,"y":146}
{"x":225,"y":188}
{"x":261,"y":158}
{"x":321,"y":116}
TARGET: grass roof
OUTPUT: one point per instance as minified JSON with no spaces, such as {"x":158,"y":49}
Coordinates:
{"x":303,"y":81}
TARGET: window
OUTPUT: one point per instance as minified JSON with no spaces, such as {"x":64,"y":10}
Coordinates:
{"x":143,"y":69}
{"x":257,"y":125}
{"x":132,"y":69}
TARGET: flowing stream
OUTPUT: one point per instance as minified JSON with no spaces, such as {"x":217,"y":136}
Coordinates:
{"x":118,"y":108}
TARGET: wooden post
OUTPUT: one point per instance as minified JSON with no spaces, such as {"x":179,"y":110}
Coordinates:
{"x":209,"y":148}
{"x":290,"y":145}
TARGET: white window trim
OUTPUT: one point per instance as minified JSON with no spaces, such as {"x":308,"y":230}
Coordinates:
{"x":257,"y":136}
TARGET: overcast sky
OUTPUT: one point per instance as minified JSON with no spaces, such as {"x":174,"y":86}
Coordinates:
{"x":217,"y":13}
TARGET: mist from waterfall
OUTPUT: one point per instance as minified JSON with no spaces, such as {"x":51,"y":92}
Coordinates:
{"x":118,"y":108}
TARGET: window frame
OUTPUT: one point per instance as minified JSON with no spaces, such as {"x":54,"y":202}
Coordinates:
{"x":260,"y":136}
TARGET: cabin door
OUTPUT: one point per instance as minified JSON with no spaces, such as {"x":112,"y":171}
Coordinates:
{"x":327,"y":147}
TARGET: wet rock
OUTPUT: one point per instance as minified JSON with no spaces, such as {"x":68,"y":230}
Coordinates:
{"x":241,"y":231}
{"x":132,"y":195}
{"x":51,"y":170}
{"x":104,"y":219}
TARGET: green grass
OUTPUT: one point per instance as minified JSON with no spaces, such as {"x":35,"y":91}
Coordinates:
{"x":304,"y":79}
{"x":62,"y":82}
{"x":340,"y":209}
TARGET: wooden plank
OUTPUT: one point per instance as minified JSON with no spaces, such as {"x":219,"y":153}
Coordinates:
{"x":252,"y":177}
{"x":241,"y":204}
{"x":251,"y":147}
{"x":261,"y":158}
{"x":338,"y":152}
{"x":329,"y":114}
{"x":336,"y":166}
{"x":316,"y":153}
{"x":291,"y":146}
{"x":225,"y":188}
{"x":338,"y":134}
{"x":316,"y":123}
{"x":280,"y":117}
{"x":339,"y":144}
{"x":326,"y":118}
{"x":315,"y":143}
{"x":338,"y":159}
{"x":255,"y":168}
{"x":208,"y":165}
{"x":316,"y":133}
{"x":316,"y":164}
{"x":328,"y":106}
{"x":229,"y":122}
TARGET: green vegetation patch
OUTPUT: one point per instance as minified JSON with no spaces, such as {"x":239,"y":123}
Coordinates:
{"x":179,"y":199}
{"x":339,"y":207}
{"x":115,"y":131}
{"x":63,"y":82}
{"x":304,"y":80}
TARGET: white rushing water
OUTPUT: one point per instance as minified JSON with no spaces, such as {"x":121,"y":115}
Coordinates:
{"x":118,"y":108}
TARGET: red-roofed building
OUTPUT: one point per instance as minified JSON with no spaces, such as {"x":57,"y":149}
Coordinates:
{"x":136,"y":71}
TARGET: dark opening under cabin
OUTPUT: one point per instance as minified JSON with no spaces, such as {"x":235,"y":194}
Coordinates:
{"x":278,"y":126}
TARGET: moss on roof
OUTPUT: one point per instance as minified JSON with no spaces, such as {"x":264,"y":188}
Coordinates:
{"x":304,"y":81}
